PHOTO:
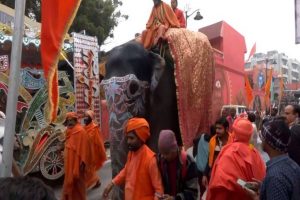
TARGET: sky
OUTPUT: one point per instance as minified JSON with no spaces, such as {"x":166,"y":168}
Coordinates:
{"x":268,"y":23}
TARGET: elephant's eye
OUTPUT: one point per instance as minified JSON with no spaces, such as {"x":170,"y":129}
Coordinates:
{"x":133,"y":87}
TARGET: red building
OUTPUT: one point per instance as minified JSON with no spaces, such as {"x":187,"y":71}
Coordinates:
{"x":230,"y":48}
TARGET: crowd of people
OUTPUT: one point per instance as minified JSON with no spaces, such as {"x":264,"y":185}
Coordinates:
{"x":232,"y":165}
{"x":227,"y":163}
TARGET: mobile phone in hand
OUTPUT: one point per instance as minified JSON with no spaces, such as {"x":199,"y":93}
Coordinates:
{"x":244,"y":184}
{"x":241,"y":182}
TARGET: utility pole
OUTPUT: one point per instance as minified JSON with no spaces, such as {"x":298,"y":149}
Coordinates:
{"x":13,"y":88}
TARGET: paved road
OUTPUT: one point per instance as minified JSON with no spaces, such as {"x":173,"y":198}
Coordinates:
{"x":94,"y":194}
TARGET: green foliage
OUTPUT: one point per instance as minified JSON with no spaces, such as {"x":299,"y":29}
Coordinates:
{"x":96,"y":17}
{"x":32,"y":6}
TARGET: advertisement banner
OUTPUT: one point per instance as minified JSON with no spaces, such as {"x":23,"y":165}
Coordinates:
{"x":86,"y":73}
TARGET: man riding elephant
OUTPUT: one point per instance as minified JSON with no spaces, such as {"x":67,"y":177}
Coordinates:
{"x":162,"y":18}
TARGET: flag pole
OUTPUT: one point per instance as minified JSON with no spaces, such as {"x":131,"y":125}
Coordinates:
{"x":13,"y":87}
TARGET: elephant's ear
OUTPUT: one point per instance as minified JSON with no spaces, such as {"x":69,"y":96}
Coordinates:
{"x":158,"y":65}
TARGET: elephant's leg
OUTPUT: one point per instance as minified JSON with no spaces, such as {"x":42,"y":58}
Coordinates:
{"x":118,"y":150}
{"x":163,"y":108}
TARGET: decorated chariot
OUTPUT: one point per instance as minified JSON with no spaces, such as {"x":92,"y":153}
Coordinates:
{"x":39,"y":141}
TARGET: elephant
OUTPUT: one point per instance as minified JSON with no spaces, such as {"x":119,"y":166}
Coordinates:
{"x":145,"y":83}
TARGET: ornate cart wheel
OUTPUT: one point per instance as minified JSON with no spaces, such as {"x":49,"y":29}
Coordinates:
{"x":52,"y":164}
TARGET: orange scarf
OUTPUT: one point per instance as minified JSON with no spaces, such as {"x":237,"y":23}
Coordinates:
{"x":212,"y":146}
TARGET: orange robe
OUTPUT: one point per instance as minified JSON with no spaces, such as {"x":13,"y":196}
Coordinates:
{"x":180,"y":16}
{"x":236,"y":161}
{"x":98,"y":154}
{"x":161,"y":18}
{"x":140,"y":175}
{"x":76,"y":153}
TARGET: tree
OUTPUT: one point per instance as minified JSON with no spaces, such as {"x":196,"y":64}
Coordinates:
{"x":97,"y":17}
{"x":32,"y":6}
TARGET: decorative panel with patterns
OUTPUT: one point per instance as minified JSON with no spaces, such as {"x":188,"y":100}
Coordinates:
{"x":86,"y":74}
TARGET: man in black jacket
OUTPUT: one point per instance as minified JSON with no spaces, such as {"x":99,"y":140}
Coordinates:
{"x":294,"y":145}
{"x":178,"y":169}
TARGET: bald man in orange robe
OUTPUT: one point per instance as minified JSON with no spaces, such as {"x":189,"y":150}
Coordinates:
{"x":237,"y":160}
{"x":76,"y":159}
{"x":140,"y":175}
{"x":98,"y":154}
{"x":161,"y":19}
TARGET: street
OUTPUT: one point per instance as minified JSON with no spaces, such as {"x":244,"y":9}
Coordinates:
{"x":93,"y":194}
{"x":105,"y":175}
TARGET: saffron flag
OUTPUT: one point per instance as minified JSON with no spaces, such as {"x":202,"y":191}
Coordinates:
{"x":248,"y":89}
{"x":268,"y":88}
{"x":281,"y":88}
{"x":252,"y":52}
{"x":57,"y":16}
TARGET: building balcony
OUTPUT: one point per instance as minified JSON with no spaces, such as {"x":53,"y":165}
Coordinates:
{"x":295,"y":62}
{"x":284,"y":76}
{"x":295,"y":71}
{"x":284,"y":67}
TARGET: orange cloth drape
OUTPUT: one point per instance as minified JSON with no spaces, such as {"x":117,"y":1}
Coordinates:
{"x":76,"y":155}
{"x":57,"y":16}
{"x":140,"y":175}
{"x":161,"y":18}
{"x":268,"y":88}
{"x":98,"y":154}
{"x":249,"y":91}
{"x":236,"y":161}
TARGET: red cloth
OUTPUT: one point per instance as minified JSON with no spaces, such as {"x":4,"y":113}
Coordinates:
{"x":236,"y":160}
{"x":57,"y":16}
{"x":180,"y":16}
{"x":192,"y":52}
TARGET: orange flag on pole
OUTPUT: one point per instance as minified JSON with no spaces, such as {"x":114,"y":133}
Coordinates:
{"x":268,"y":88}
{"x":57,"y":16}
{"x":252,"y":52}
{"x":281,"y":88}
{"x":248,"y":89}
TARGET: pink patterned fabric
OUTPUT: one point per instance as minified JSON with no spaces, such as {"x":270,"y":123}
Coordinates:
{"x":194,"y":77}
